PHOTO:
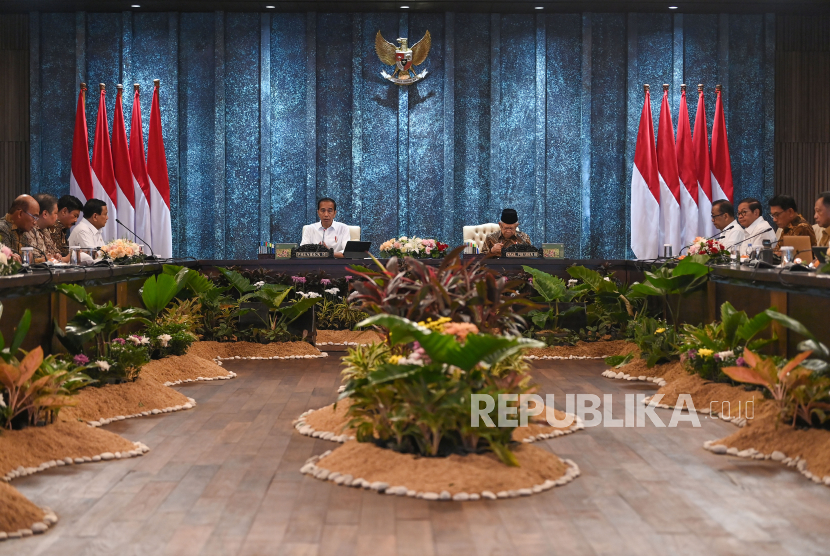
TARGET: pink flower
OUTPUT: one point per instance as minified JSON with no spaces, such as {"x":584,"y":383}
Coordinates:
{"x":121,"y":341}
{"x":6,"y":251}
{"x":80,"y":359}
{"x":398,"y":245}
{"x":349,"y":278}
{"x":428,"y":250}
{"x":325,"y":282}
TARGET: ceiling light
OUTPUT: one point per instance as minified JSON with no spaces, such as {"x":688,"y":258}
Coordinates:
{"x":672,"y":7}
{"x":135,"y":6}
{"x":540,"y":7}
{"x":404,"y":7}
{"x":270,"y":7}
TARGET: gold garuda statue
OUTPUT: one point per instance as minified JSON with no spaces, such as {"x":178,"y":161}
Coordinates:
{"x":403,"y":58}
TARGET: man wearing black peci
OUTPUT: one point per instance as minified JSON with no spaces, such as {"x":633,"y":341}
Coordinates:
{"x":507,"y":235}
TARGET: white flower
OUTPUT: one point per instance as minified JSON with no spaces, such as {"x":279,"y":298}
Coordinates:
{"x":2,"y":402}
{"x":572,"y":282}
{"x":607,"y":279}
{"x":135,"y":340}
{"x":313,"y":295}
{"x":139,"y":340}
{"x":103,"y":365}
{"x":726,"y":354}
{"x":3,"y":260}
{"x":164,"y":339}
{"x":259,"y":284}
{"x":332,"y":291}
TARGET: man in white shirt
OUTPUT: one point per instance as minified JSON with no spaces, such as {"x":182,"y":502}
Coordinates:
{"x":723,"y":217}
{"x":333,"y":235}
{"x":756,"y":229}
{"x":87,"y":231}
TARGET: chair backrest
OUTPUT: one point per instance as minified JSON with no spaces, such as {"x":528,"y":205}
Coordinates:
{"x":354,"y":233}
{"x":479,"y":232}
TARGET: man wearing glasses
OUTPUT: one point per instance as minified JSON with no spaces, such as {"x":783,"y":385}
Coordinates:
{"x":755,"y":227}
{"x":784,"y":213}
{"x":19,"y":220}
{"x":723,"y":217}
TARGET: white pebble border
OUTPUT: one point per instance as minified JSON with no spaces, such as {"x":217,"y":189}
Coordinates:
{"x":751,"y":453}
{"x":560,"y":357}
{"x":620,"y":375}
{"x":344,"y":343}
{"x":37,"y":528}
{"x":50,"y":518}
{"x":310,"y":468}
{"x":101,"y":422}
{"x":229,"y":376}
{"x":307,"y":430}
{"x":218,"y":360}
{"x":737,"y":421}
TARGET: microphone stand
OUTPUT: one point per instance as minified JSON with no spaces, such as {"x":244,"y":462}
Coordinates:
{"x":150,"y":247}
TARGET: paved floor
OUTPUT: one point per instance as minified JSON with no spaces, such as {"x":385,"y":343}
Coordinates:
{"x":223,"y":479}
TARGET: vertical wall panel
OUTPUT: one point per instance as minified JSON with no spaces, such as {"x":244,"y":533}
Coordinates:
{"x":700,"y":52}
{"x":196,"y":140}
{"x":426,"y":135}
{"x":288,"y":118}
{"x":471,"y":162}
{"x":608,"y":131}
{"x":242,"y":35}
{"x":563,"y":82}
{"x":103,"y":61}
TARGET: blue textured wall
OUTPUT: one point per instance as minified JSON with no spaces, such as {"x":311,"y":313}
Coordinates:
{"x":263,"y":113}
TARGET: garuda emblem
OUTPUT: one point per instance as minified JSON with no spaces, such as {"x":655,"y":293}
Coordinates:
{"x":403,"y":58}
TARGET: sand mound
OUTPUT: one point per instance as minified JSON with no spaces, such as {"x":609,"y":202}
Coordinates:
{"x":325,"y":337}
{"x":470,"y":473}
{"x":210,"y":350}
{"x":32,"y":446}
{"x":129,"y":398}
{"x":333,"y":418}
{"x":720,"y":395}
{"x":668,"y":371}
{"x":175,"y":368}
{"x":766,"y":433}
{"x":16,"y":511}
{"x":586,"y":349}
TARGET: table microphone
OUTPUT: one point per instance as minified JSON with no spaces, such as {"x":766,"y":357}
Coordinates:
{"x":751,"y":237}
{"x":152,"y":255}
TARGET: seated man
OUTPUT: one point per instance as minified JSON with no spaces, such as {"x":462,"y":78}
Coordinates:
{"x":37,"y":237}
{"x":20,"y":219}
{"x":507,"y":235}
{"x":723,"y":217}
{"x":87,"y":232}
{"x":822,"y":216}
{"x":784,"y":213}
{"x":69,"y":209}
{"x":756,"y":228}
{"x":333,"y":235}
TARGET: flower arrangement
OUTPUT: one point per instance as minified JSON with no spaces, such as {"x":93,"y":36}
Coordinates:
{"x":419,"y":248}
{"x":123,"y":251}
{"x":711,"y":247}
{"x":7,"y":264}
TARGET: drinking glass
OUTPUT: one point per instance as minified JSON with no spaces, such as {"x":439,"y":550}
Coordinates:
{"x":787,"y":255}
{"x":27,"y":256}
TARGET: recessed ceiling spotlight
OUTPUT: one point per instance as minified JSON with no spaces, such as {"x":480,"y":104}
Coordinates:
{"x":404,"y":7}
{"x":135,"y":6}
{"x":540,"y":7}
{"x":672,"y":7}
{"x":270,"y":7}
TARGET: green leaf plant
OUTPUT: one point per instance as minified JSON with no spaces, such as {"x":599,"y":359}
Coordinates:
{"x":680,"y":281}
{"x":422,"y":404}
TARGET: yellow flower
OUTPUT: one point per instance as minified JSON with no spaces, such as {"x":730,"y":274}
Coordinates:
{"x":395,"y":358}
{"x":705,"y":352}
{"x":660,"y":330}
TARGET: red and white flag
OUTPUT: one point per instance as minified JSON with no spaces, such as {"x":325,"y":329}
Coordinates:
{"x":103,"y":177}
{"x":670,"y":219}
{"x":159,"y":183}
{"x":704,"y":169}
{"x":645,"y":189}
{"x":123,"y":172}
{"x":142,"y":183}
{"x":80,"y":176}
{"x":687,"y":170}
{"x":721,"y":166}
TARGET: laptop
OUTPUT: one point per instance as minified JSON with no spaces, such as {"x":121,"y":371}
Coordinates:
{"x":356,"y":249}
{"x":803,"y":247}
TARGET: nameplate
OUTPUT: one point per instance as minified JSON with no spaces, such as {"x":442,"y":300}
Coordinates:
{"x":312,"y":254}
{"x":523,"y":254}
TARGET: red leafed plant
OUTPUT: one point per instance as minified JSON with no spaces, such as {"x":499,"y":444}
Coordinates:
{"x":464,"y":291}
{"x":799,"y":394}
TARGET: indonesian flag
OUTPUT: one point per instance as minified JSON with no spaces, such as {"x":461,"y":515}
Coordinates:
{"x":140,"y":180}
{"x":159,"y":183}
{"x":80,"y":176}
{"x":670,"y":219}
{"x":721,"y":166}
{"x":645,"y":190}
{"x":704,"y":172}
{"x":687,"y":170}
{"x":103,"y":178}
{"x":123,"y":172}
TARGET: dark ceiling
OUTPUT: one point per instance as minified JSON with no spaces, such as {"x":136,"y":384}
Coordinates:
{"x":503,"y":6}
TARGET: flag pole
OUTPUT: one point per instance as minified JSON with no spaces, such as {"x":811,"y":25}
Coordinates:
{"x":719,"y":87}
{"x":137,"y":87}
{"x":665,"y":86}
{"x":683,"y":88}
{"x":83,"y":91}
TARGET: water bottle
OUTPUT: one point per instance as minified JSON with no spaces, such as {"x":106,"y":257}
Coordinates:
{"x":750,"y":251}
